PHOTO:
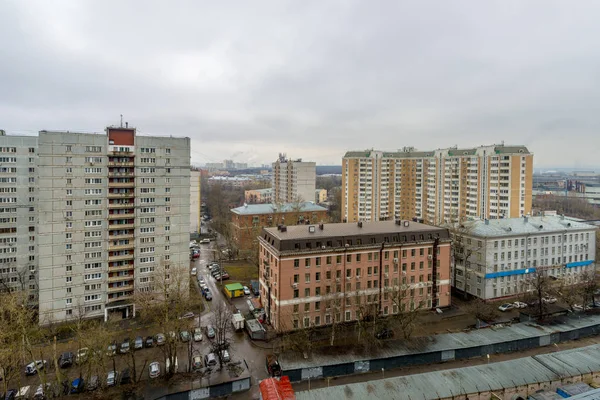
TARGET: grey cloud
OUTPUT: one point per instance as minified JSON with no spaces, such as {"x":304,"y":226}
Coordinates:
{"x":312,"y":79}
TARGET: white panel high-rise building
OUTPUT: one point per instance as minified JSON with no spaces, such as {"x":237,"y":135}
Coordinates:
{"x":112,"y":209}
{"x":18,"y":221}
{"x":293,"y":180}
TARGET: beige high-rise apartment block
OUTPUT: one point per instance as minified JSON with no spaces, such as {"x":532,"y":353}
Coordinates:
{"x":293,"y":180}
{"x":113,"y":208}
{"x":438,"y":186}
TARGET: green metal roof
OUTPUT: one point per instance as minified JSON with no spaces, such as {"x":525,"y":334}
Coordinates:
{"x":234,"y":286}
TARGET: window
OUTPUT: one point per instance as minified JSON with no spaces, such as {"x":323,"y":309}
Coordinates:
{"x":296,"y":293}
{"x":307,"y":262}
{"x":296,"y":263}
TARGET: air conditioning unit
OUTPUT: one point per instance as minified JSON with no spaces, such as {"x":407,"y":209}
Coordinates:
{"x":395,"y":261}
{"x":429,"y":257}
{"x":295,"y":285}
{"x":386,"y":275}
{"x":323,"y":247}
{"x":337,"y":279}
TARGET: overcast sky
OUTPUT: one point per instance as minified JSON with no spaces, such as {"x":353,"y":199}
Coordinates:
{"x":248,"y":79}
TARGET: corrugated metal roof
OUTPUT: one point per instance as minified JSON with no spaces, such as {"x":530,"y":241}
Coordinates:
{"x":522,"y":226}
{"x":251,"y":209}
{"x":449,"y":341}
{"x":591,"y":395}
{"x":453,"y":382}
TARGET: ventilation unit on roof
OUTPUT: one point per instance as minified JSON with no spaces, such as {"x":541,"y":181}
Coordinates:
{"x":406,"y":224}
{"x":311,"y":229}
{"x":359,"y":224}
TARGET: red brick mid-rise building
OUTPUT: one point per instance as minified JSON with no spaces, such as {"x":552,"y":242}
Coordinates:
{"x":320,"y":274}
{"x":248,"y":220}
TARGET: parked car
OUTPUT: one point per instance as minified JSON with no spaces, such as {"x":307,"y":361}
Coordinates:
{"x":111,"y":378}
{"x":197,"y":335}
{"x":385,"y":333}
{"x":519,"y":304}
{"x":149,"y":342}
{"x":111,"y":349}
{"x":125,"y":377}
{"x":577,"y":307}
{"x":154,"y":370}
{"x":139,"y":343}
{"x":273,"y":367}
{"x":225,"y":356}
{"x":246,"y":290}
{"x":208,"y":296}
{"x":40,"y":392}
{"x":196,"y":363}
{"x":160,"y":339}
{"x":210,"y":332}
{"x":549,"y":300}
{"x":65,"y":360}
{"x":205,"y":241}
{"x":33,"y":367}
{"x":184,"y":336}
{"x":77,"y":385}
{"x":82,"y":355}
{"x":210,"y":360}
{"x":506,"y":307}
{"x":124,"y":348}
{"x":200,"y":280}
{"x":188,"y":314}
{"x":194,"y":271}
{"x":224,"y":275}
{"x":11,"y":394}
{"x":93,"y":383}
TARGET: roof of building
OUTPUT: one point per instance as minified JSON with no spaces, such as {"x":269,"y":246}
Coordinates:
{"x":234,"y":286}
{"x":444,"y":342}
{"x":498,"y":149}
{"x":460,"y":381}
{"x":350,"y":229}
{"x":523,"y":226}
{"x":262,"y":191}
{"x":251,"y":209}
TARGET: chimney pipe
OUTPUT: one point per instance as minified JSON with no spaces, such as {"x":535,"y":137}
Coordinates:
{"x":126,"y":124}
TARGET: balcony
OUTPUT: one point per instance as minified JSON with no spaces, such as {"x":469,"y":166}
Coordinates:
{"x":122,"y":257}
{"x":112,"y":279}
{"x":120,"y":195}
{"x":120,"y":163}
{"x":121,"y":184}
{"x":116,"y":289}
{"x":120,"y":205}
{"x":121,"y":246}
{"x":121,"y":226}
{"x":117,"y":174}
{"x":123,"y":236}
{"x":128,"y":296}
{"x":123,"y":215}
{"x":120,"y":268}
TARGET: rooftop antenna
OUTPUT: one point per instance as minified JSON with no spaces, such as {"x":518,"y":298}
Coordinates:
{"x":121,"y":120}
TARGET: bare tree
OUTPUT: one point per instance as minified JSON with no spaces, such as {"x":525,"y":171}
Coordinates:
{"x":589,"y":286}
{"x":221,"y":321}
{"x":482,"y":310}
{"x":541,"y":286}
{"x":163,"y":302}
{"x":403,"y":299}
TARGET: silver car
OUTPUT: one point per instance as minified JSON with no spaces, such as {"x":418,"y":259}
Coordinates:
{"x":154,"y":370}
{"x":111,"y":378}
